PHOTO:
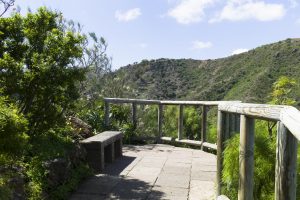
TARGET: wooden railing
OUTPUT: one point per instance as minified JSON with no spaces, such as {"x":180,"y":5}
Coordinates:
{"x":235,"y":117}
{"x":160,"y":135}
{"x":288,"y":134}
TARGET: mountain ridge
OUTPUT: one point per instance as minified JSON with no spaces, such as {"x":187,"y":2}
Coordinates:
{"x":247,"y":76}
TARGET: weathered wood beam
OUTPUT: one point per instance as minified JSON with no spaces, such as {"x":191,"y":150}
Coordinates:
{"x":261,"y":111}
{"x":180,"y":122}
{"x":106,"y":113}
{"x":165,"y":102}
{"x":207,"y":103}
{"x":137,"y":101}
{"x":286,"y":164}
{"x":290,"y":117}
{"x":222,"y":136}
{"x":246,"y":158}
{"x":160,"y":120}
{"x":133,"y":113}
{"x":231,"y":124}
{"x":237,"y":123}
{"x":203,"y":125}
{"x":190,"y":142}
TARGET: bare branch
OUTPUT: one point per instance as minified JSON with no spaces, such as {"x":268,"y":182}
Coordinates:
{"x":6,"y":5}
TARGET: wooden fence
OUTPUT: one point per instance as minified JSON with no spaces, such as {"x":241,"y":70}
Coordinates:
{"x":234,"y":117}
{"x":288,"y":134}
{"x":181,"y":104}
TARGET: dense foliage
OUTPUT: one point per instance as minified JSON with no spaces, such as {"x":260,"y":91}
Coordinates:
{"x":40,"y":72}
{"x":13,"y":128}
{"x":37,"y":56}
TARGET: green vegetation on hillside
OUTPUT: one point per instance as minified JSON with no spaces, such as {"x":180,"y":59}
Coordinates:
{"x":248,"y":76}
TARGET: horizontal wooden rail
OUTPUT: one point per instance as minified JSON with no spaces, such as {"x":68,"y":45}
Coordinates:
{"x":137,"y":101}
{"x":164,"y":102}
{"x":191,"y":142}
{"x":289,"y":115}
{"x":262,"y":111}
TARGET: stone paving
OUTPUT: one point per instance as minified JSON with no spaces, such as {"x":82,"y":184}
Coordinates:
{"x":151,"y":172}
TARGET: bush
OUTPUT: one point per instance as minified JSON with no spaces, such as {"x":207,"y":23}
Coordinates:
{"x":53,"y":144}
{"x":92,"y":113}
{"x":264,"y":159}
{"x":13,"y":127}
{"x":170,"y":121}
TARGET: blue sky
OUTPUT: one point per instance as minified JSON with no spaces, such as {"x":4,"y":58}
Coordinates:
{"x":199,"y":29}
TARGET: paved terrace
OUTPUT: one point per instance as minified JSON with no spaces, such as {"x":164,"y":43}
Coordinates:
{"x":155,"y":171}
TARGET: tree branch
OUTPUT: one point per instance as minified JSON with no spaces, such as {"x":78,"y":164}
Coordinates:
{"x":6,"y":5}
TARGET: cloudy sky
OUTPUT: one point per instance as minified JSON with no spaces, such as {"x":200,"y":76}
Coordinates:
{"x":199,"y":29}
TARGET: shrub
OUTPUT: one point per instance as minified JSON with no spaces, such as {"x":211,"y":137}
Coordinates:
{"x":13,"y":127}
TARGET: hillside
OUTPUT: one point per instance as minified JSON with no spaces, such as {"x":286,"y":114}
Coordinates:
{"x":248,"y":76}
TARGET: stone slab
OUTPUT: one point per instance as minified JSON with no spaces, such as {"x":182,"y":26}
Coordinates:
{"x":173,"y":180}
{"x":99,"y":184}
{"x":154,"y":172}
{"x":168,"y":193}
{"x":202,"y":190}
{"x":130,"y":188}
{"x":203,"y":176}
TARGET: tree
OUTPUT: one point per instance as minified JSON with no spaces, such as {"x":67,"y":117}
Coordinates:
{"x":97,"y":63}
{"x":38,"y":66}
{"x":283,"y":91}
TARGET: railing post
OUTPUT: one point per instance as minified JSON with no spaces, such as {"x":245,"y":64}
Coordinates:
{"x":246,"y":158}
{"x":203,"y":125}
{"x":134,"y":122}
{"x":106,"y":110}
{"x":223,"y":135}
{"x":232,"y":124}
{"x":237,"y":123}
{"x":160,"y":120}
{"x":286,"y":164}
{"x":180,"y":122}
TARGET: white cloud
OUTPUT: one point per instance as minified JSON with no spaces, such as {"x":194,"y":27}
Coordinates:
{"x":190,"y":11}
{"x":238,"y":51}
{"x":298,"y":21}
{"x":250,"y":9}
{"x":128,"y":15}
{"x":201,"y":45}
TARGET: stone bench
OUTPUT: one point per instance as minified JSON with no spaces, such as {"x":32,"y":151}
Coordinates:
{"x":103,"y":148}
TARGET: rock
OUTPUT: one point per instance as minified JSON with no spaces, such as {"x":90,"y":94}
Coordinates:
{"x":81,"y":128}
{"x":77,"y":155}
{"x":57,"y":171}
{"x":17,"y":183}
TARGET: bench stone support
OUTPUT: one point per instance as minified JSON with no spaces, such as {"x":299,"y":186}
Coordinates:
{"x":103,"y":148}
